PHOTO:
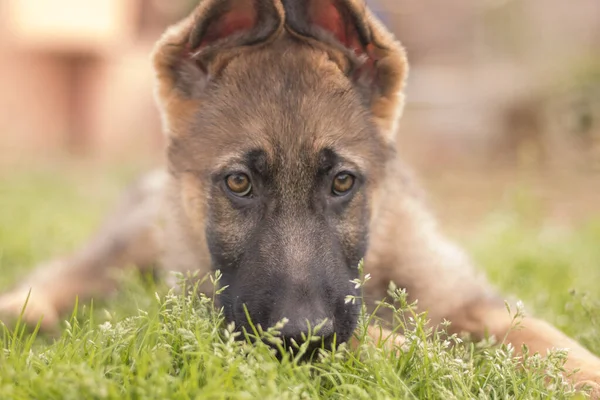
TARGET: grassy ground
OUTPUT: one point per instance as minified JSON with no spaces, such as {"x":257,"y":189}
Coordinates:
{"x":143,"y":345}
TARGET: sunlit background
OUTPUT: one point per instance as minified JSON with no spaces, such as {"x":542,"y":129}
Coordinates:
{"x":503,"y":96}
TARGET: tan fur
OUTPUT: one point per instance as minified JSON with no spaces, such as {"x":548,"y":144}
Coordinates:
{"x":163,"y":217}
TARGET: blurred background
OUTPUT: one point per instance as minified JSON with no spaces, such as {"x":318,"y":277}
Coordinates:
{"x":502,"y":93}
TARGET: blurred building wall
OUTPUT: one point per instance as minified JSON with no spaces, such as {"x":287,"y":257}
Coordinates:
{"x":75,"y":78}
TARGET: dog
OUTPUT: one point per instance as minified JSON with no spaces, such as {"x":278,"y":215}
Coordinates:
{"x":282,"y":173}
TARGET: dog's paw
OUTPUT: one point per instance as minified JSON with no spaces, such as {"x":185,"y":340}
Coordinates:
{"x":587,"y":379}
{"x":38,"y":308}
{"x":590,"y":386}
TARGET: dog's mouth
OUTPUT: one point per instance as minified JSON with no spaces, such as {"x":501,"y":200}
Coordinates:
{"x":304,"y":348}
{"x":302,"y":341}
{"x":291,"y":321}
{"x":306,"y":351}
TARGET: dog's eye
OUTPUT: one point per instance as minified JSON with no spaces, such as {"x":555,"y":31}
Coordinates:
{"x":342,"y":184}
{"x":239,"y":184}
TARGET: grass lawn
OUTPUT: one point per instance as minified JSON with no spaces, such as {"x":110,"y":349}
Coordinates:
{"x":149,"y":343}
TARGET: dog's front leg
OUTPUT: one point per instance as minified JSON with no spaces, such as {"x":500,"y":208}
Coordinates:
{"x":128,"y":238}
{"x":539,"y":336}
{"x":442,"y":278}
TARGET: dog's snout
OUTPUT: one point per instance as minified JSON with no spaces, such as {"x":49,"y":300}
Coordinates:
{"x":299,"y":330}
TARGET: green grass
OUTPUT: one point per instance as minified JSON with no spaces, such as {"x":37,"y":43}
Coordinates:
{"x":150,"y":343}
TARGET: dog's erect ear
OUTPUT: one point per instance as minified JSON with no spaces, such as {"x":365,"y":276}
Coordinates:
{"x":196,"y":49}
{"x":361,"y":46}
{"x":342,"y":22}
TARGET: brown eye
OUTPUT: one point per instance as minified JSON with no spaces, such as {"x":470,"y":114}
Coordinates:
{"x":239,"y":184}
{"x":342,"y":184}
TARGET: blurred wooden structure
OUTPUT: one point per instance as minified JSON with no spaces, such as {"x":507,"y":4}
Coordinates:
{"x":75,"y":76}
{"x":71,"y":26}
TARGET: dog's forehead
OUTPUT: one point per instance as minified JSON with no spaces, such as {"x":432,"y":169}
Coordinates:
{"x":289,"y":100}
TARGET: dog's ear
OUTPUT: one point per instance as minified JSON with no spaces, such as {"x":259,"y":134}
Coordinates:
{"x":195,"y":50}
{"x":363,"y":48}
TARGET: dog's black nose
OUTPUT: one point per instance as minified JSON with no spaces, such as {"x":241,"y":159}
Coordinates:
{"x":298,"y":331}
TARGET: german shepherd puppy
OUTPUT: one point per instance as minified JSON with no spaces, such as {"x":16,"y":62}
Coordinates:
{"x":282,"y":173}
